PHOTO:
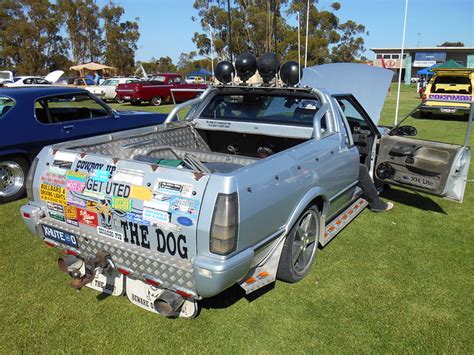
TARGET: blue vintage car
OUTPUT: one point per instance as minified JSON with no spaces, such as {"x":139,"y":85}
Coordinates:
{"x":33,"y":117}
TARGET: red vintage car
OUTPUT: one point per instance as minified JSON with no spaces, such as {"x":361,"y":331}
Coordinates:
{"x":158,"y":90}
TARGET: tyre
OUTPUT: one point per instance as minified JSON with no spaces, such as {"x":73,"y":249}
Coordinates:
{"x":119,"y":100}
{"x":300,"y":247}
{"x":13,"y":173}
{"x":156,"y":100}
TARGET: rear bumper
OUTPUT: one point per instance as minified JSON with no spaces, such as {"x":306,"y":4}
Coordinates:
{"x":200,"y":276}
{"x":445,"y":109}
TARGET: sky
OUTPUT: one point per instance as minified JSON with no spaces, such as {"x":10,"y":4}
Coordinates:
{"x":166,"y":26}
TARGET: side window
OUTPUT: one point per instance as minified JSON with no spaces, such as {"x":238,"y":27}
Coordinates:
{"x":68,"y":108}
{"x":354,"y":117}
{"x":28,"y":81}
{"x":6,"y":104}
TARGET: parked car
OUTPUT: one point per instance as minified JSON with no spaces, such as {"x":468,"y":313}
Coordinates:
{"x":106,"y":90}
{"x":74,"y":81}
{"x":448,"y":92}
{"x":242,"y":191}
{"x":31,"y":118}
{"x":158,"y":90}
{"x":6,"y":76}
{"x":19,"y":81}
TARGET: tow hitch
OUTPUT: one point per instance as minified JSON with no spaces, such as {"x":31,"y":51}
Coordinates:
{"x":83,"y":271}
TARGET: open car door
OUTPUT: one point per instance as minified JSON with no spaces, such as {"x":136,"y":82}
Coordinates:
{"x":428,"y":166}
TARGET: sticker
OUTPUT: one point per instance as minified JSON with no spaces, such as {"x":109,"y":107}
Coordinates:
{"x":95,"y":194}
{"x":57,"y":216}
{"x":110,"y":233}
{"x":54,"y":179}
{"x":172,"y":188}
{"x":185,"y":207}
{"x":88,"y":165}
{"x":87,"y":217}
{"x":159,"y":202}
{"x":54,"y":194}
{"x":65,"y":156}
{"x":76,"y":201}
{"x":70,"y":212}
{"x":152,"y":215}
{"x":56,"y":170}
{"x":63,"y":164}
{"x":76,"y":186}
{"x":141,"y":193}
{"x":76,"y":176}
{"x":168,"y":226}
{"x":121,"y":203}
{"x":100,"y":175}
{"x":55,"y":208}
{"x":136,"y":218}
{"x":72,"y":222}
{"x":132,"y":177}
{"x":185,"y":221}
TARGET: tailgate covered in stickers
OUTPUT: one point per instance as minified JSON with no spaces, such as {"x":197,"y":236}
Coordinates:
{"x":154,"y":208}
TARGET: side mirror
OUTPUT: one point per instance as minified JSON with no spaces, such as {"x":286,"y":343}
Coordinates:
{"x":406,"y":131}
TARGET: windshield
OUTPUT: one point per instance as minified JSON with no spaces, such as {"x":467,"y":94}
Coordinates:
{"x":452,"y":84}
{"x":110,"y":82}
{"x":263,"y":108}
{"x":159,"y":78}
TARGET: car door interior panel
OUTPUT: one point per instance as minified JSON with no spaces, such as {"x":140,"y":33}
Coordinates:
{"x":423,"y":165}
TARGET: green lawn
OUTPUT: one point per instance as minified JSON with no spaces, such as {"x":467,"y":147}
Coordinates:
{"x":395,"y":282}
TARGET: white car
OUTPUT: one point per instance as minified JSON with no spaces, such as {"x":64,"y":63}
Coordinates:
{"x":35,"y":80}
{"x":106,"y":90}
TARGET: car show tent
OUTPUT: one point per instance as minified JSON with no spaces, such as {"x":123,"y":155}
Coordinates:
{"x":427,"y":71}
{"x":201,"y":72}
{"x":82,"y":68}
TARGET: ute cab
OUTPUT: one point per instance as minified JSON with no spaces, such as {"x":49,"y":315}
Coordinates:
{"x":448,"y":92}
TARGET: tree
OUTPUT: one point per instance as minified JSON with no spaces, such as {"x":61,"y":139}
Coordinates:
{"x":165,"y":65}
{"x":120,"y":39}
{"x":82,"y":26}
{"x":254,"y":23}
{"x":30,"y":38}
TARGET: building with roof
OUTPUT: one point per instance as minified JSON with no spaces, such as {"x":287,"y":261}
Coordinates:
{"x":418,"y":58}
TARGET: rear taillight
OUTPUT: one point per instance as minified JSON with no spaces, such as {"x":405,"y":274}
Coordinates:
{"x":423,"y":97}
{"x":29,"y":179}
{"x":224,"y":229}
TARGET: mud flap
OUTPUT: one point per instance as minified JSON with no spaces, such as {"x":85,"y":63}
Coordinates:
{"x":110,"y":282}
{"x":144,"y":296}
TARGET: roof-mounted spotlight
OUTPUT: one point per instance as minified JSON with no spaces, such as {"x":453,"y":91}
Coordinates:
{"x":290,"y":74}
{"x":246,"y":66}
{"x":268,"y":66}
{"x":224,"y":72}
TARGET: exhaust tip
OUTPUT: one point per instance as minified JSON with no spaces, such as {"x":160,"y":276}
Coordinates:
{"x":168,"y":304}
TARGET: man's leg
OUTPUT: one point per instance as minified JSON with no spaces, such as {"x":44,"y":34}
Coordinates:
{"x":370,"y":192}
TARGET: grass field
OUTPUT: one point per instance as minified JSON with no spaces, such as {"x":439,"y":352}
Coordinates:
{"x":395,"y":282}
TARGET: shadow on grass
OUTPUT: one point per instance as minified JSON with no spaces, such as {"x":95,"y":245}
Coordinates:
{"x":444,"y":117}
{"x":412,"y":199}
{"x":232,"y":295}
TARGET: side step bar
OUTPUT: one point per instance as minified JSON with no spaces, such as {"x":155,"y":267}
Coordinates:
{"x":346,"y":216}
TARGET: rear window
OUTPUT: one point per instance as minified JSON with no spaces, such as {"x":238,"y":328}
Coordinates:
{"x":6,"y":104}
{"x":263,"y":108}
{"x":452,"y":84}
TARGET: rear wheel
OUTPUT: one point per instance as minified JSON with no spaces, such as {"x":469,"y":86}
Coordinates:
{"x":300,"y":247}
{"x":156,"y":100}
{"x":13,"y":173}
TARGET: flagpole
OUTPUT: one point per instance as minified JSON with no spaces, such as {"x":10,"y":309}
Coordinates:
{"x":306,"y":40}
{"x":299,"y":45}
{"x":401,"y":62}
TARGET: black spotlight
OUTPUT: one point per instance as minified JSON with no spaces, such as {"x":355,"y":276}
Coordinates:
{"x":224,"y":71}
{"x":246,"y":66}
{"x":290,"y":74}
{"x":268,"y":66}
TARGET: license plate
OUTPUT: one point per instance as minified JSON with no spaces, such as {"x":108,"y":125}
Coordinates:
{"x":127,"y":97}
{"x":59,"y":236}
{"x":448,"y":110}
